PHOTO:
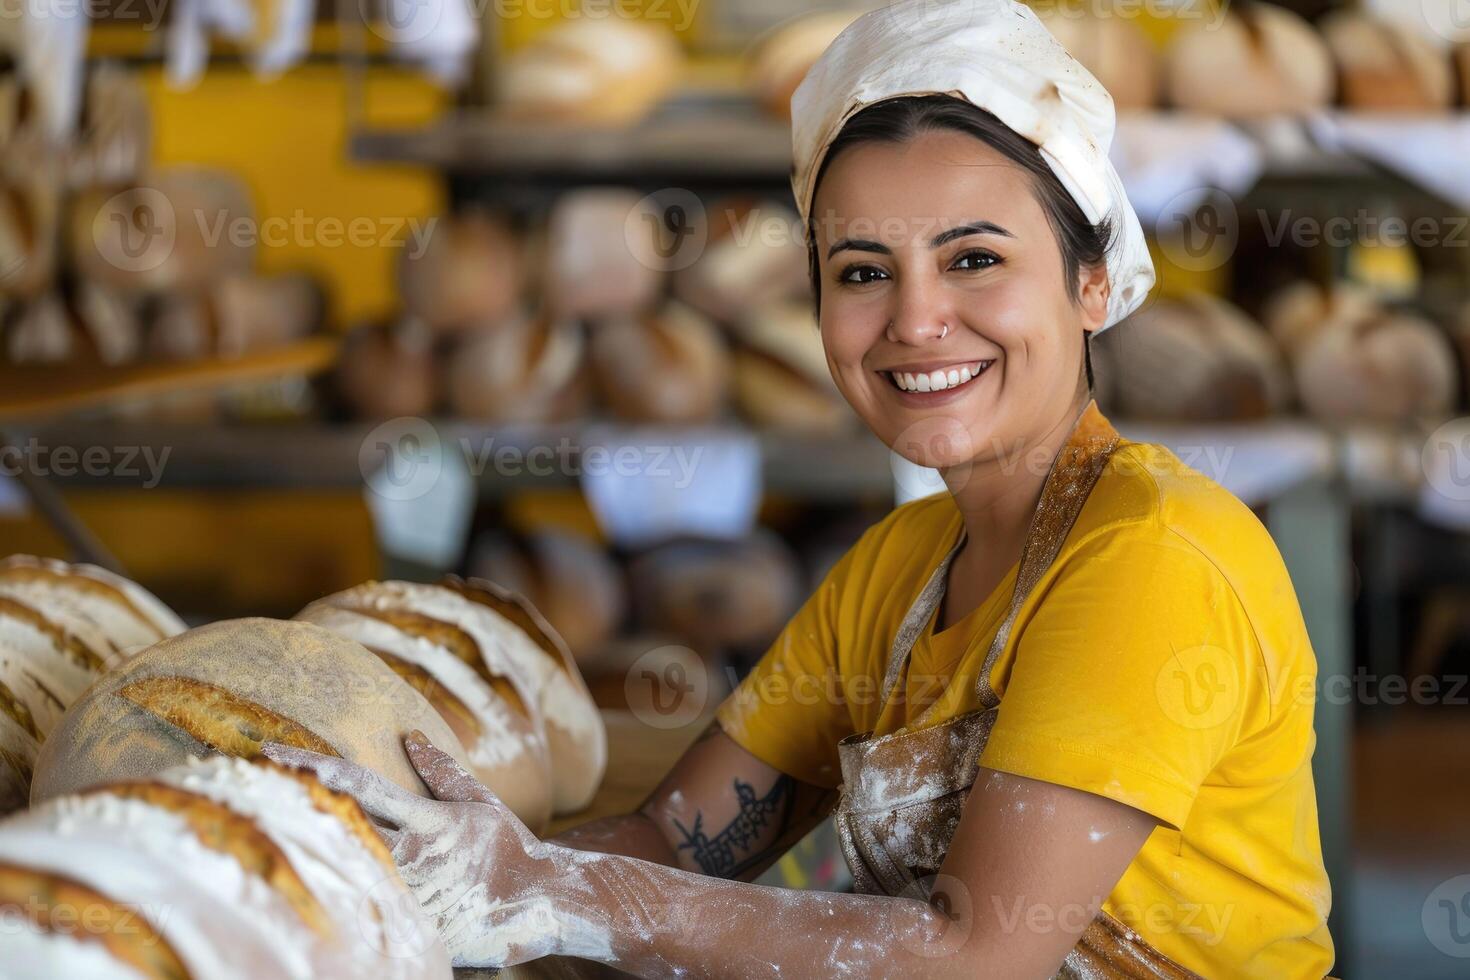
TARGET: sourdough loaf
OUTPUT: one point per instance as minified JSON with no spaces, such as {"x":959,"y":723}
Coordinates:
{"x":599,"y":254}
{"x":590,"y":70}
{"x":673,"y":367}
{"x":1354,"y":360}
{"x":484,"y":699}
{"x":1383,"y":66}
{"x":467,"y":273}
{"x":566,"y":576}
{"x":1259,"y":60}
{"x":230,"y":687}
{"x":779,"y":61}
{"x":782,"y":380}
{"x":388,"y":371}
{"x":61,"y":625}
{"x":754,"y":256}
{"x":19,"y":743}
{"x":1193,"y":358}
{"x":517,"y":689}
{"x":718,"y":594}
{"x":521,"y":370}
{"x":218,"y":868}
{"x":172,"y":231}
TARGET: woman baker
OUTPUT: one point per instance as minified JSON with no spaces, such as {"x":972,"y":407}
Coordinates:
{"x":1058,"y":709}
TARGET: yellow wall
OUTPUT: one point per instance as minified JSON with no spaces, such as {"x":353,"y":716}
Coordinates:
{"x":287,"y":138}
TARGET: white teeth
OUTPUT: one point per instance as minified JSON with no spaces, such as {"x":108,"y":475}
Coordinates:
{"x":938,"y":380}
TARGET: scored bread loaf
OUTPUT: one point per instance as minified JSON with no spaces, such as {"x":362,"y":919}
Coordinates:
{"x":1113,"y":48}
{"x":88,"y":323}
{"x":388,"y":371}
{"x":782,"y":380}
{"x":228,"y":688}
{"x":237,"y":315}
{"x":1386,"y":66}
{"x":779,"y":61}
{"x":61,"y":626}
{"x":177,"y":229}
{"x":521,"y":370}
{"x":1354,"y":360}
{"x":19,"y":743}
{"x":30,"y":219}
{"x":468,"y":272}
{"x":598,"y":254}
{"x":484,"y":698}
{"x":672,"y":367}
{"x":1193,"y":358}
{"x":575,"y":733}
{"x":1259,"y":60}
{"x":590,"y":70}
{"x":716,"y":594}
{"x":115,"y":130}
{"x":218,"y":868}
{"x":495,"y":664}
{"x":754,"y":257}
{"x":569,"y":578}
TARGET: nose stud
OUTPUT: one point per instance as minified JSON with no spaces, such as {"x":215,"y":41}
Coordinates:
{"x":945,"y":332}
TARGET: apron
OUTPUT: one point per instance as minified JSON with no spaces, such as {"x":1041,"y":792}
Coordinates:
{"x":902,"y":794}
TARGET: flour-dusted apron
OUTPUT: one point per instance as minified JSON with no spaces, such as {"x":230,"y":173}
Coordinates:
{"x":902,"y":794}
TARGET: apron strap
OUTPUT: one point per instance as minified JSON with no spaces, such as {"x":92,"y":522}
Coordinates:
{"x":1073,"y":474}
{"x":1074,"y":471}
{"x":915,"y":620}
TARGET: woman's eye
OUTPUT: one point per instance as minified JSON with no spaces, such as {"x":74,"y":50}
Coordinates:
{"x":862,"y":274}
{"x":977,"y":259}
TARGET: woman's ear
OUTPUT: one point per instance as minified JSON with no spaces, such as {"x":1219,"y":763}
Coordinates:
{"x":1094,"y":291}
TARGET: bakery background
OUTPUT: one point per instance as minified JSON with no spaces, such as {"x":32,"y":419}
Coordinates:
{"x":294,"y":297}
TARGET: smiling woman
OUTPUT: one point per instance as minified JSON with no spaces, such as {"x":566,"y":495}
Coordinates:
{"x":1054,"y":705}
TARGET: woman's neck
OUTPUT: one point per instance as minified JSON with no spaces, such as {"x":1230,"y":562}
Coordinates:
{"x":997,"y":494}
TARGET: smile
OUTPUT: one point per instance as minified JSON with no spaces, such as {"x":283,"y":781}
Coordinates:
{"x":942,"y":379}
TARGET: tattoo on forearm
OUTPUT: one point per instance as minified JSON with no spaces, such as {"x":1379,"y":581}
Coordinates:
{"x":727,"y":853}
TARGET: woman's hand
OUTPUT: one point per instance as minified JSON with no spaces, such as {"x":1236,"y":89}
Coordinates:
{"x":476,"y":870}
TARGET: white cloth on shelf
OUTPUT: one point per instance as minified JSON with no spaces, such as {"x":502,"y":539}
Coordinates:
{"x":1171,"y":161}
{"x":195,"y":22}
{"x":437,"y":35}
{"x":1429,"y":150}
{"x":49,"y":44}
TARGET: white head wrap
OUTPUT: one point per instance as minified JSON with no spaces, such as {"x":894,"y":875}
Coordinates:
{"x":996,"y":55}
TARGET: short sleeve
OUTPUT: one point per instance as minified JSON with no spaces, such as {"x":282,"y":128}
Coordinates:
{"x":787,"y":711}
{"x":1132,"y":676}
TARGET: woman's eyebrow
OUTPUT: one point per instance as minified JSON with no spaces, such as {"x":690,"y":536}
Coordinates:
{"x":973,"y":228}
{"x":858,"y":245}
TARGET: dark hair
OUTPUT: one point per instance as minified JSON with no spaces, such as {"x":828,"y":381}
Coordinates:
{"x":1083,"y":244}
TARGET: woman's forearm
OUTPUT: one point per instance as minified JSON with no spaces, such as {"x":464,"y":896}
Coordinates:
{"x":656,"y":921}
{"x":629,"y":834}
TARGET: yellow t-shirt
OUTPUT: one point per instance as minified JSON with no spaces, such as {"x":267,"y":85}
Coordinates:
{"x":1161,"y":661}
